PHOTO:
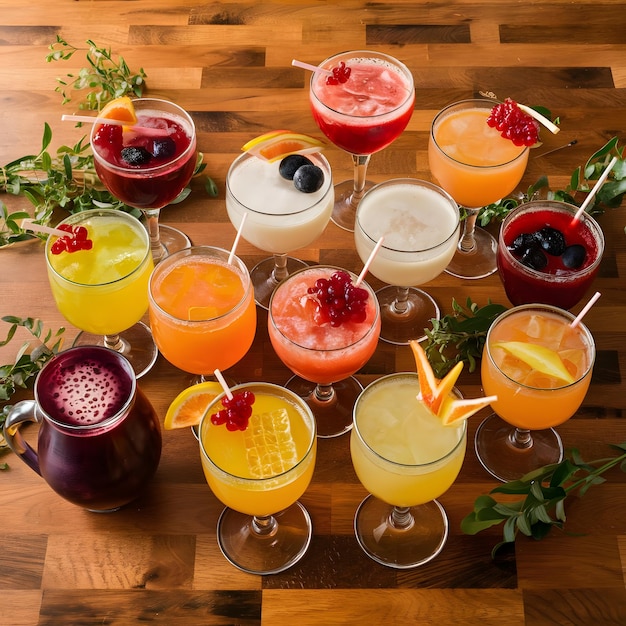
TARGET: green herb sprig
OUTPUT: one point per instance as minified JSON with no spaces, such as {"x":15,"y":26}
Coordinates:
{"x":459,"y":336}
{"x":543,"y":493}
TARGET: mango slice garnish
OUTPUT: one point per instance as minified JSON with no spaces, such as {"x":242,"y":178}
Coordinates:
{"x":278,"y":144}
{"x":539,"y":358}
{"x":437,"y":394}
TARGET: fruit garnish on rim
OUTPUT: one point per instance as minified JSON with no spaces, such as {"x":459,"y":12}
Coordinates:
{"x":278,"y":144}
{"x":341,"y":74}
{"x":236,"y":411}
{"x":437,"y":394}
{"x":190,"y":405}
{"x":75,"y":240}
{"x":518,"y":122}
{"x":539,"y":358}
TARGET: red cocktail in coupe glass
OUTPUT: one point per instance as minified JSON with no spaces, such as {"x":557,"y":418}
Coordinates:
{"x":147,"y":165}
{"x":546,"y":256}
{"x":362,"y":108}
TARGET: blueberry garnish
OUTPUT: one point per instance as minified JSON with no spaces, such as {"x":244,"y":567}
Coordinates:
{"x":163,"y":148}
{"x":552,"y":240}
{"x":574,"y":256}
{"x":136,"y":155}
{"x":534,"y":258}
{"x":308,"y":178}
{"x":290,"y":164}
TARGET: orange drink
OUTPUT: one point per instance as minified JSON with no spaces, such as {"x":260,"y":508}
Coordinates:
{"x":202,"y":309}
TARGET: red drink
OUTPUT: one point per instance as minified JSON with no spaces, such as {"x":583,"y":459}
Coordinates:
{"x":367,"y":112}
{"x":560,"y":276}
{"x":149,"y":169}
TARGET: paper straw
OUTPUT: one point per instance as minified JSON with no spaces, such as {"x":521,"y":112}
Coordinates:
{"x":237,"y":238}
{"x":311,"y":68}
{"x":593,"y":192}
{"x":225,"y":387}
{"x":586,"y":308}
{"x":40,"y":228}
{"x":376,"y":248}
{"x":156,"y":132}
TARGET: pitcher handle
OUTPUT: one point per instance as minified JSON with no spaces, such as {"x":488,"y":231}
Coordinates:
{"x":24,"y":411}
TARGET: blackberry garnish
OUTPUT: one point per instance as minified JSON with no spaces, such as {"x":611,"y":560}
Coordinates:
{"x":552,"y":240}
{"x":534,"y":258}
{"x":136,"y":155}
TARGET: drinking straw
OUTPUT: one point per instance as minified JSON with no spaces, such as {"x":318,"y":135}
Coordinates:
{"x":239,"y":231}
{"x":593,"y":192}
{"x":312,"y":68}
{"x":40,"y":228}
{"x":586,"y":308}
{"x":88,"y":119}
{"x":222,"y":381}
{"x":376,"y":248}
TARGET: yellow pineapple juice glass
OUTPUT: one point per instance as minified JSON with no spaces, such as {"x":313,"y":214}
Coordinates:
{"x":477,"y":167}
{"x":259,"y":474}
{"x":406,"y":458}
{"x":103,"y":290}
{"x":202,"y":310}
{"x":540,"y":367}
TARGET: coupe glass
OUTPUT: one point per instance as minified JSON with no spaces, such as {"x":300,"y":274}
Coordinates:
{"x":420,"y":226}
{"x":406,"y":458}
{"x":202,"y":310}
{"x":362,"y":115}
{"x":279,"y":218}
{"x":103,"y":291}
{"x":166,"y":131}
{"x":264,"y":529}
{"x":477,"y":167}
{"x":520,"y":437}
{"x":324,"y":358}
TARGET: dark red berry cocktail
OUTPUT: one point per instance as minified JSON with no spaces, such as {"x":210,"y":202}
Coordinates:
{"x":545,"y":256}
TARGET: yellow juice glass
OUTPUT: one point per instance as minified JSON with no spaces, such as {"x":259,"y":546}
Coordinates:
{"x":259,"y":474}
{"x":525,"y":351}
{"x":202,"y":310}
{"x":103,"y":291}
{"x":406,"y":458}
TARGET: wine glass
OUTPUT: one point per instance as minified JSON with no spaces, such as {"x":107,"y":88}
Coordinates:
{"x":323,"y":357}
{"x":419,"y":223}
{"x":259,"y":474}
{"x":362,"y":114}
{"x":406,"y":458}
{"x":279,"y":217}
{"x":202,"y":311}
{"x":148,"y":165}
{"x":477,"y":167}
{"x":539,"y":365}
{"x":102,"y":289}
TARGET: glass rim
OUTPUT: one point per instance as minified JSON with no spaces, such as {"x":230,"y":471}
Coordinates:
{"x":419,"y":183}
{"x":357,"y":431}
{"x":559,"y":312}
{"x":82,"y":216}
{"x":302,"y":407}
{"x":171,"y":259}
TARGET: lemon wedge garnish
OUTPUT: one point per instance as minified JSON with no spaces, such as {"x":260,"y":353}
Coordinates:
{"x":191,"y":404}
{"x":538,"y":357}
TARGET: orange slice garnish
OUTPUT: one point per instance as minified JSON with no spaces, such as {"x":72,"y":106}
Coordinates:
{"x":120,"y":109}
{"x":190,"y":405}
{"x":278,"y":144}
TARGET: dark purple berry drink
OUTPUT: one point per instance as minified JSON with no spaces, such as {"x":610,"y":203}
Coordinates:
{"x":146,"y":169}
{"x":100,"y":440}
{"x":544,"y":256}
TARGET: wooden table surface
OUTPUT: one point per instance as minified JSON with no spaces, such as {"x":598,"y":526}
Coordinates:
{"x":228,"y":64}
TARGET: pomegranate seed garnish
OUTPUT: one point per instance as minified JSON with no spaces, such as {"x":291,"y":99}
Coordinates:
{"x":236,"y":412}
{"x":513,"y":123}
{"x":76,"y":239}
{"x":341,"y":73}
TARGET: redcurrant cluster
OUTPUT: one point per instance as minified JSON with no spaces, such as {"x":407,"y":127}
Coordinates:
{"x":236,"y":412}
{"x":341,"y":73}
{"x":339,"y":300}
{"x":514,"y":124}
{"x":75,"y":240}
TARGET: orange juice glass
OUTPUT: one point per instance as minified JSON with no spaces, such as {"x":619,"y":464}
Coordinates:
{"x":539,"y":366}
{"x":202,"y":310}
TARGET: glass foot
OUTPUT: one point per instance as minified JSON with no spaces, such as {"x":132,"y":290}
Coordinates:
{"x":262,"y":276}
{"x":333,"y":417}
{"x":344,"y":213}
{"x":137,"y":346}
{"x":265,"y":553}
{"x":506,"y":461}
{"x":400,"y":327}
{"x":400,"y":548}
{"x":478,"y":262}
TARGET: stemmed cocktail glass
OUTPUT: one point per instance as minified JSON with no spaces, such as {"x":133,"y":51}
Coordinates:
{"x":259,"y":474}
{"x":102,"y":286}
{"x":324,"y":355}
{"x":419,"y":224}
{"x":539,"y":365}
{"x":362,"y":109}
{"x":279,"y":217}
{"x":148,"y":165}
{"x":477,"y":167}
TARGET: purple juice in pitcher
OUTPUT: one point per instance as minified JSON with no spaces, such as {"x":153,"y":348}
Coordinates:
{"x":100,"y":439}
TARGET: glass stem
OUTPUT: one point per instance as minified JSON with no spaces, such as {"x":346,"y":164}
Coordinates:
{"x":401,"y":518}
{"x":467,"y":241}
{"x":324,"y":392}
{"x":264,"y":526}
{"x":521,"y":438}
{"x":361,"y":162}
{"x":280,"y":271}
{"x":401,"y":302}
{"x":114,"y":342}
{"x":152,"y":225}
